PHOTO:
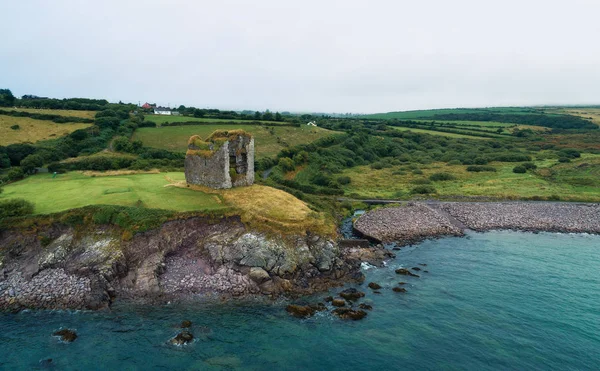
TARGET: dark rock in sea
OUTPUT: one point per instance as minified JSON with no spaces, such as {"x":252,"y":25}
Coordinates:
{"x":422,"y":264}
{"x":318,"y":307}
{"x":300,"y":311}
{"x":45,"y":363}
{"x":406,"y":272}
{"x":184,"y":337}
{"x":66,"y":335}
{"x":376,"y":292}
{"x":395,"y":248}
{"x":186,"y":324}
{"x":374,"y":286}
{"x":348,"y":313}
{"x":425,"y":271}
{"x":352,"y":294}
{"x":338,"y":302}
{"x":416,"y":269}
{"x":365,"y":306}
{"x":328,"y":299}
{"x":399,"y":289}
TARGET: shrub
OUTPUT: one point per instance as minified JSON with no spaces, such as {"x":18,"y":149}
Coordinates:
{"x":441,"y":177}
{"x":454,"y":162}
{"x":423,"y":190}
{"x":477,"y":169}
{"x":15,"y":127}
{"x":421,"y":181}
{"x":569,"y":153}
{"x":15,"y":174}
{"x":286,"y":164}
{"x":481,"y":161}
{"x":564,"y":159}
{"x":343,"y":180}
{"x":529,"y":165}
{"x":377,"y":166}
{"x":519,"y":169}
{"x":417,"y":171}
{"x":15,"y":207}
{"x":399,"y":172}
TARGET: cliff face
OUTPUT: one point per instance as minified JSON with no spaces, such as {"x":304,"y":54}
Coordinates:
{"x":62,"y":267}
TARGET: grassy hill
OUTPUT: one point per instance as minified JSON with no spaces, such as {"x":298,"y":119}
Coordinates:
{"x":268,"y":140}
{"x":161,"y":119}
{"x":31,"y":130}
{"x":60,"y":112}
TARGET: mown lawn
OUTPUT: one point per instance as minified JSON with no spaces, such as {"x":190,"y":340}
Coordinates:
{"x":576,"y":181}
{"x":32,"y":131}
{"x":73,"y":190}
{"x":161,"y":119}
{"x":268,"y":140}
{"x":60,"y":112}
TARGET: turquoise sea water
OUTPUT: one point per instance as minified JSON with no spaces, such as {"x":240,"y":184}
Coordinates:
{"x":497,"y":300}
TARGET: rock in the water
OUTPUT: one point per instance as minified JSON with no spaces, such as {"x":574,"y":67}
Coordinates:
{"x":376,"y":292}
{"x":348,"y":313}
{"x":416,"y":269}
{"x":258,"y":275}
{"x":401,"y":283}
{"x":46,"y":362}
{"x":406,"y":272}
{"x":184,"y":337}
{"x":328,"y":299}
{"x":422,"y":264}
{"x":374,"y":286}
{"x":352,"y":294}
{"x":365,"y":306}
{"x":186,"y":324}
{"x":399,"y":289}
{"x":338,"y":302}
{"x":66,"y":335}
{"x":319,"y":307}
{"x":300,"y":311}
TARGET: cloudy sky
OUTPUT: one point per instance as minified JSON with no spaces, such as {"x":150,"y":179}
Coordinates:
{"x":324,"y":55}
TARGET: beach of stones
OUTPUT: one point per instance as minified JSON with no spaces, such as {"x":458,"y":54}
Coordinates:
{"x":416,"y":221}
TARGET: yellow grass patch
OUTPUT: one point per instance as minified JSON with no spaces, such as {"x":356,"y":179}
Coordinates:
{"x":31,"y":130}
{"x":588,"y":113}
{"x":60,"y":112}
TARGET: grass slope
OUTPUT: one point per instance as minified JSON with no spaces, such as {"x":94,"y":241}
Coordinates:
{"x":60,"y":112}
{"x":433,"y":132}
{"x":576,"y":181}
{"x":33,"y":130}
{"x":420,"y":114}
{"x":268,"y":140}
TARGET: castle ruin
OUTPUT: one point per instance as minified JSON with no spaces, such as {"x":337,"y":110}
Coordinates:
{"x":224,"y":160}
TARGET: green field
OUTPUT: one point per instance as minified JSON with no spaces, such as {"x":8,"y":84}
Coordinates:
{"x":32,"y":131}
{"x":424,"y":114}
{"x":576,"y":181}
{"x":60,"y":112}
{"x":268,"y":140}
{"x":73,"y":190}
{"x":433,"y":132}
{"x":161,"y":119}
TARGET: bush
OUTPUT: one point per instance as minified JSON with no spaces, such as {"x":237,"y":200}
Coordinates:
{"x":417,"y":171}
{"x":15,"y":207}
{"x":15,"y":174}
{"x":441,"y":177}
{"x":343,"y":180}
{"x":564,"y":159}
{"x":15,"y":127}
{"x":286,"y":164}
{"x":423,"y":190}
{"x":478,"y":169}
{"x":529,"y":165}
{"x":421,"y":181}
{"x":569,"y":153}
{"x":399,"y":172}
{"x":377,"y":166}
{"x":519,"y":169}
{"x":454,"y":162}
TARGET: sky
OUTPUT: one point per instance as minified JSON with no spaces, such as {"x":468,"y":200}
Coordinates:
{"x":305,"y":56}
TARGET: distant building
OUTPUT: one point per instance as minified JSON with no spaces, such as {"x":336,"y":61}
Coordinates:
{"x":312,"y":123}
{"x":148,"y":105}
{"x":162,"y":111}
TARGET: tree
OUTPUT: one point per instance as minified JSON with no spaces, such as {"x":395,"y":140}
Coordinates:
{"x":286,"y":164}
{"x":278,"y":116}
{"x":15,"y":174}
{"x":257,"y":115}
{"x":268,"y":116}
{"x":122,"y":144}
{"x":31,"y":162}
{"x":7,"y":99}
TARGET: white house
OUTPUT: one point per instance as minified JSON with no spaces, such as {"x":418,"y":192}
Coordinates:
{"x":162,"y":111}
{"x":312,"y":123}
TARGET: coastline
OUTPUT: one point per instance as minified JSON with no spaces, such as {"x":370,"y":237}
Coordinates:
{"x":415,"y":221}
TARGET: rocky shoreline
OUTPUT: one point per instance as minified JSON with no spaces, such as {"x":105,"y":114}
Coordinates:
{"x":415,"y":221}
{"x":61,"y":267}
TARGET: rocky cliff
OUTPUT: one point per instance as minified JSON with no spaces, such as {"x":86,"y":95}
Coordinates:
{"x":59,"y":266}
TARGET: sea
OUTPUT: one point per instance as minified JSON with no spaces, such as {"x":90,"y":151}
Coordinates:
{"x":499,"y":300}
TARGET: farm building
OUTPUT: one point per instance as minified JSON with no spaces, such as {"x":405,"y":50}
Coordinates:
{"x":162,"y":111}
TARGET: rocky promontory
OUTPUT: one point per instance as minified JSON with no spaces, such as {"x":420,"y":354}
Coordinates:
{"x":416,"y":221}
{"x":88,"y":267}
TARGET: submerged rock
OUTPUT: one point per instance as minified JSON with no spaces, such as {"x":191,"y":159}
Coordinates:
{"x":319,"y":307}
{"x":349,"y":313}
{"x":300,"y":311}
{"x":416,"y":269}
{"x":406,"y":272}
{"x":186,"y":324}
{"x":365,"y":306}
{"x":66,"y":335}
{"x":184,"y":337}
{"x":399,"y":289}
{"x":374,"y":286}
{"x":352,"y":294}
{"x":328,"y":299}
{"x":338,"y":302}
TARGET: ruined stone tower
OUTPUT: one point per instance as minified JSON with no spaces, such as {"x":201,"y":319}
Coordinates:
{"x":224,"y":160}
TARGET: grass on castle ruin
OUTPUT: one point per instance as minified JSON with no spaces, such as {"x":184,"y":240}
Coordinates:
{"x":268,"y":140}
{"x":31,"y":131}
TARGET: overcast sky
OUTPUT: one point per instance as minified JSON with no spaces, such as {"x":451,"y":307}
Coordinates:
{"x":328,"y":56}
